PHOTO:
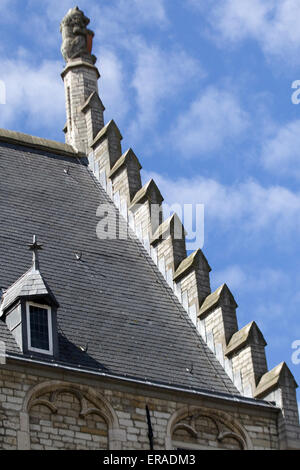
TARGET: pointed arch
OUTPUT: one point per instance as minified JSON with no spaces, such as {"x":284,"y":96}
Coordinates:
{"x":226,"y":426}
{"x":90,"y":400}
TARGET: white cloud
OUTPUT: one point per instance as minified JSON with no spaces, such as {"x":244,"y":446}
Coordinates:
{"x":237,"y":19}
{"x":158,"y":76}
{"x":117,"y":25}
{"x":112,"y":85}
{"x":8,"y":11}
{"x":114,"y":21}
{"x":233,"y":276}
{"x":245,"y":280}
{"x":147,"y":11}
{"x":34,"y":92}
{"x":248,"y":205}
{"x":274,"y":24}
{"x":282,"y":152}
{"x":213,"y":119}
{"x":110,"y":18}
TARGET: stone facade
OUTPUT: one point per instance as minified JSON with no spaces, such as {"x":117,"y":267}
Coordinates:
{"x":45,"y":409}
{"x":42,"y":410}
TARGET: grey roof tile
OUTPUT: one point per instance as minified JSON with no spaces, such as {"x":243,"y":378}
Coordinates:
{"x":114,"y":299}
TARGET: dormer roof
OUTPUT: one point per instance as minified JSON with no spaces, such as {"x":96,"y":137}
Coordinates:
{"x":30,"y":285}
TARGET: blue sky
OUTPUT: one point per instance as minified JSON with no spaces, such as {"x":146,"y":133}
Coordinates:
{"x":201,"y":91}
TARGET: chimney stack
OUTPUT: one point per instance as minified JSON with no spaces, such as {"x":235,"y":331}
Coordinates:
{"x":83,"y":105}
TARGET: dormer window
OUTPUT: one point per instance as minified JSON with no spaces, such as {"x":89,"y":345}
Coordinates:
{"x":29,"y":310}
{"x":39,"y":328}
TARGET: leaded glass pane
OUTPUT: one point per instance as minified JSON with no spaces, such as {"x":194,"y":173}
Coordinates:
{"x":39,"y":331}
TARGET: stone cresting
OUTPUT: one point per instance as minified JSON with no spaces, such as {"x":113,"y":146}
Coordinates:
{"x":241,"y":352}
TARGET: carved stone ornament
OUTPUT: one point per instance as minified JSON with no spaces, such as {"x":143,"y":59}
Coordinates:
{"x":77,"y":39}
{"x":205,"y":428}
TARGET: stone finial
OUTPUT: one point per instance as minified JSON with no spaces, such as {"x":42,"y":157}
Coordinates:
{"x":77,"y":39}
{"x":35,"y":247}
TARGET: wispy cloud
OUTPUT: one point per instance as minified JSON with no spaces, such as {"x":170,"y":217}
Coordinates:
{"x":250,"y":205}
{"x":35,"y":94}
{"x":273,"y":24}
{"x":245,"y":280}
{"x":213,"y":119}
{"x":110,"y":19}
{"x":281,"y":153}
{"x":158,"y":76}
{"x":113,"y":85}
{"x":8,"y":11}
{"x":34,"y":87}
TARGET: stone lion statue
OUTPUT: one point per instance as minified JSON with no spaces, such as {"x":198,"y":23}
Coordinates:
{"x":77,"y":39}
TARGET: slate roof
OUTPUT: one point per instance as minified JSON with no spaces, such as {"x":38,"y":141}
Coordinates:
{"x":113,"y":299}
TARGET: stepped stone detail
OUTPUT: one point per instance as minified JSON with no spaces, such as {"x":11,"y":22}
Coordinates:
{"x":240,"y":352}
{"x":218,"y":312}
{"x":169,"y":243}
{"x":246,"y":349}
{"x":192,"y":277}
{"x":279,"y":386}
{"x":93,"y":110}
{"x":146,"y":208}
{"x":125,"y":176}
{"x":106,"y":151}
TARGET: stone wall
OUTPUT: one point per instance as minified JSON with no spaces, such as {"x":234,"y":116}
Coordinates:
{"x":41,"y":413}
{"x":66,"y":428}
{"x":80,"y":81}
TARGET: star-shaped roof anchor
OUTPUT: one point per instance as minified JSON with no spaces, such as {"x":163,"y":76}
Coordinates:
{"x":35,"y":247}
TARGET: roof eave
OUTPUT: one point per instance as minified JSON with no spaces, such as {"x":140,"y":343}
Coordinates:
{"x":50,"y":146}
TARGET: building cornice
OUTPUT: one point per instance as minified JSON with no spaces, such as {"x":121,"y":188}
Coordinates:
{"x":55,"y":368}
{"x":77,"y":64}
{"x":26,"y":140}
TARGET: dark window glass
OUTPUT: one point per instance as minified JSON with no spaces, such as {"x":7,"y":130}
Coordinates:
{"x":39,"y":331}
